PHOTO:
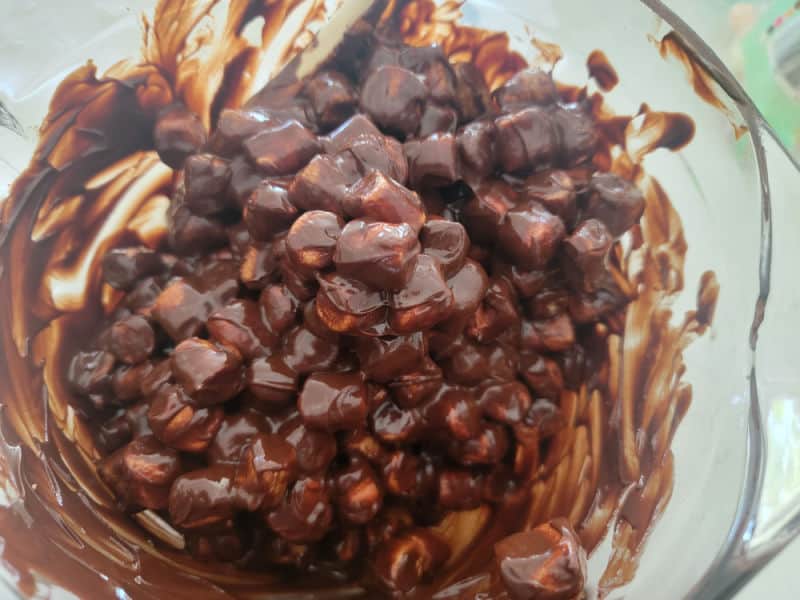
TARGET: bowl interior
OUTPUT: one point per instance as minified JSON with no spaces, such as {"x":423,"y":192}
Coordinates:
{"x":713,"y":184}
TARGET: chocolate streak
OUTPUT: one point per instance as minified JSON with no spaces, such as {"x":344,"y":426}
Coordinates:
{"x":671,"y":46}
{"x":602,"y":71}
{"x":96,"y":182}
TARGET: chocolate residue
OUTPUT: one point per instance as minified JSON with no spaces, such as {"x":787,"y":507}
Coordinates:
{"x":96,"y":181}
{"x":424,"y":22}
{"x":549,"y":53}
{"x":601,"y":70}
{"x":704,"y":85}
{"x":215,"y":68}
{"x":652,"y":129}
{"x":671,"y":45}
{"x":639,"y":134}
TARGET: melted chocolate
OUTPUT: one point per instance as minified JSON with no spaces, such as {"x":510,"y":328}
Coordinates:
{"x":602,"y":71}
{"x":672,"y":46}
{"x":96,"y":167}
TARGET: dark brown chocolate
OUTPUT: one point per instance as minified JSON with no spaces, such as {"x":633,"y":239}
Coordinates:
{"x":385,"y":296}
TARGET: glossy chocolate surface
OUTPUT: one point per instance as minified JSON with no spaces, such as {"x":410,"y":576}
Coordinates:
{"x":375,"y":347}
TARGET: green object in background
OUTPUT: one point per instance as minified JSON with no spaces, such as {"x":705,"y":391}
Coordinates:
{"x":770,"y":53}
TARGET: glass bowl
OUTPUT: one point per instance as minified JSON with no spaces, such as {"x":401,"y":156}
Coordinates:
{"x":736,"y":496}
